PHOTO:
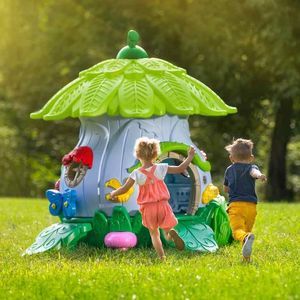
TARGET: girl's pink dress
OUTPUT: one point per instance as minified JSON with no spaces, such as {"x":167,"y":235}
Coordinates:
{"x":153,"y":200}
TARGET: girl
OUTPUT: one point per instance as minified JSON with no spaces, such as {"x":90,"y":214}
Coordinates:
{"x":153,"y":193}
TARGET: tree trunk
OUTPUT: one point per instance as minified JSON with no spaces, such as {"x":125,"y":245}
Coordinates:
{"x":277,"y":175}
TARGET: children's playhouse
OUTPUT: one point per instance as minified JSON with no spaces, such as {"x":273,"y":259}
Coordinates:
{"x":118,"y":101}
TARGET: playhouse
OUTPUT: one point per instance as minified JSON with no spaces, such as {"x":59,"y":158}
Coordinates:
{"x":118,"y":101}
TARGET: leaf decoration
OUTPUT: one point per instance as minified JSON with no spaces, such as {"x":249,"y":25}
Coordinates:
{"x":100,"y":229}
{"x":142,"y":233}
{"x":113,"y":107}
{"x":120,"y":220}
{"x":196,"y":235}
{"x":136,"y":99}
{"x":173,"y":92}
{"x":56,"y":98}
{"x":158,"y":65}
{"x":98,"y":95}
{"x":159,"y":106}
{"x":111,"y":66}
{"x":220,"y":222}
{"x":64,"y":104}
{"x":214,"y":215}
{"x":133,"y":88}
{"x":59,"y":235}
{"x":206,"y":106}
{"x":209,"y":97}
{"x":134,"y":71}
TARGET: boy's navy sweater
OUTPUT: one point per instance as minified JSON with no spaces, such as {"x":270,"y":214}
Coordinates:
{"x":240,"y":183}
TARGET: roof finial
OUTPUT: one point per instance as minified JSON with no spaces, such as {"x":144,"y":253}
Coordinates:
{"x":132,"y":51}
{"x":132,"y":38}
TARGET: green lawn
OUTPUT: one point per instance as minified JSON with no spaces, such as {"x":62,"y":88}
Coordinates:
{"x":88,"y":273}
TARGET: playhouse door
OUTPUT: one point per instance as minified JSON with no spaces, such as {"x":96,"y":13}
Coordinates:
{"x":180,"y":187}
{"x":185,"y":189}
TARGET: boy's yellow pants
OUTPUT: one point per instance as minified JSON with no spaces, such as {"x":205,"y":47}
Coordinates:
{"x":242,"y":217}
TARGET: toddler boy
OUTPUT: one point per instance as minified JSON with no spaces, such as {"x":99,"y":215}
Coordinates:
{"x":239,"y":182}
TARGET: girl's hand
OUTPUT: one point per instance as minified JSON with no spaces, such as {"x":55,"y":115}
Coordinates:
{"x":204,"y":154}
{"x":191,"y":152}
{"x":112,"y":195}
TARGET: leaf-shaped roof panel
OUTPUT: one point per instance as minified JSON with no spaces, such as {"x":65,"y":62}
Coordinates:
{"x":138,"y":87}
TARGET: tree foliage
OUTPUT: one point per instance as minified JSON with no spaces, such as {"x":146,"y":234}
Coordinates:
{"x":247,"y":52}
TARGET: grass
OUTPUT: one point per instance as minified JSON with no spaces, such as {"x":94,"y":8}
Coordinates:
{"x":89,"y":273}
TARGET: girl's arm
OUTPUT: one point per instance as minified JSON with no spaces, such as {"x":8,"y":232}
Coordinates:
{"x":182,"y":167}
{"x":123,"y":189}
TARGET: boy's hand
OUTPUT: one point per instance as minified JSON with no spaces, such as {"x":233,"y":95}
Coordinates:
{"x":191,"y":152}
{"x":263,"y":178}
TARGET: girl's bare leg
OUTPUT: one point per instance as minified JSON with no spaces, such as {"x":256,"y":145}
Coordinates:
{"x":156,"y":242}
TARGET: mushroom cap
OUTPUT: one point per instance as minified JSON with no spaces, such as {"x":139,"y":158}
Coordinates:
{"x":120,"y":240}
{"x":133,"y":86}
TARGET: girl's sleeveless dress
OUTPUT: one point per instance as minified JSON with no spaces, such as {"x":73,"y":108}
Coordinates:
{"x":153,"y":200}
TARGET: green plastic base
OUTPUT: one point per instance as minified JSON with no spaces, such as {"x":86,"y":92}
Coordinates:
{"x":196,"y":235}
{"x":214,"y":215}
{"x":59,"y":235}
{"x":204,"y":232}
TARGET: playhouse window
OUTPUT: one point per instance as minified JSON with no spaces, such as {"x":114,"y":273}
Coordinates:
{"x":184,"y":188}
{"x":74,"y":174}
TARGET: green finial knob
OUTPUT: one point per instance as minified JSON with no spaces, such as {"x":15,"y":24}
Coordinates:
{"x":132,"y":51}
{"x":132,"y":38}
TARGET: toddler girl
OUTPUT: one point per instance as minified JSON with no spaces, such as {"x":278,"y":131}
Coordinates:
{"x":153,"y":193}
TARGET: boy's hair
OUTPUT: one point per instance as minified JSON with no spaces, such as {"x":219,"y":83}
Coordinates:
{"x":240,"y":149}
{"x":146,"y":149}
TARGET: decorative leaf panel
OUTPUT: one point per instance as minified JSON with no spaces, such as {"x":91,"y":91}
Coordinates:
{"x":159,"y":65}
{"x":136,"y":98}
{"x":59,"y":235}
{"x":159,"y":106}
{"x":113,"y":106}
{"x":134,"y":71}
{"x":205,"y":105}
{"x":211,"y":98}
{"x":172,"y":92}
{"x":142,"y":233}
{"x":113,"y":66}
{"x":61,"y":93}
{"x":151,"y":87}
{"x":98,"y":95}
{"x":100,"y":229}
{"x":120,"y":220}
{"x":196,"y":235}
{"x":64,"y":105}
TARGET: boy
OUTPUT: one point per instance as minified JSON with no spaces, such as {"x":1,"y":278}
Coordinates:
{"x":239,"y":182}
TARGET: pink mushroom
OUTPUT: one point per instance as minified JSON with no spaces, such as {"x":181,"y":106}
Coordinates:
{"x":120,"y":240}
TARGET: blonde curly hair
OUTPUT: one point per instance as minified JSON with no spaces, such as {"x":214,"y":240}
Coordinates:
{"x":240,"y":149}
{"x":146,"y":149}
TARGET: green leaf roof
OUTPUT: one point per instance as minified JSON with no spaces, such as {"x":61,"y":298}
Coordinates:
{"x":133,"y":87}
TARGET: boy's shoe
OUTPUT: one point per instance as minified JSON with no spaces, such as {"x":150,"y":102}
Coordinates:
{"x":179,"y":243}
{"x":247,"y":247}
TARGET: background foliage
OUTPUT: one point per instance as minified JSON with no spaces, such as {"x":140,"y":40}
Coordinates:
{"x":248,"y":52}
